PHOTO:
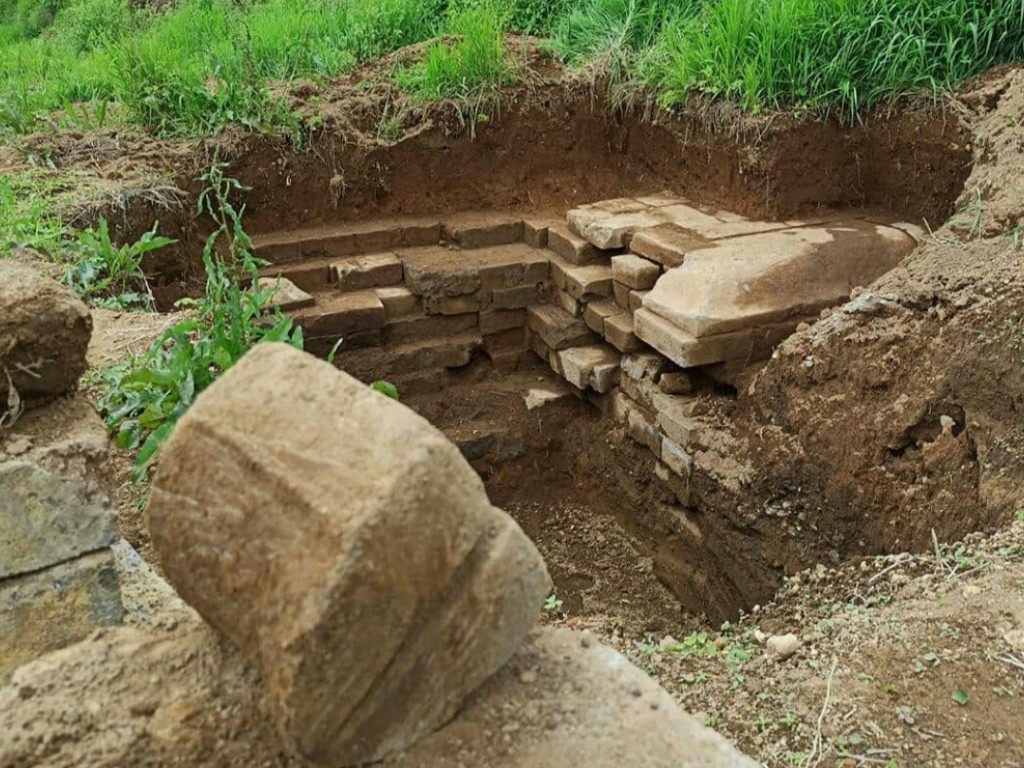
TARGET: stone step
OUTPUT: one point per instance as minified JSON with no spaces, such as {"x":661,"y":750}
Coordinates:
{"x":595,"y":366}
{"x":373,"y":270}
{"x":338,"y":314}
{"x":573,"y":248}
{"x":440,"y":271}
{"x":350,"y":239}
{"x":483,"y":230}
{"x":638,"y":273}
{"x":309,"y":275}
{"x":557,"y":328}
{"x":583,"y":283}
{"x":615,"y":224}
{"x":687,"y":351}
{"x":287,"y":297}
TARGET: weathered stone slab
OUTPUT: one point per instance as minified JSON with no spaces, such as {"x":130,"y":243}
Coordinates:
{"x":589,"y":283}
{"x":347,"y":549}
{"x":52,"y":608}
{"x":502,"y":320}
{"x":636,"y":299}
{"x":568,"y":303}
{"x":519,"y":297}
{"x":636,"y":272}
{"x":687,"y":351}
{"x":618,"y":331}
{"x":398,"y":301}
{"x":431,"y":354}
{"x":309,"y":276}
{"x":621,"y":293}
{"x":418,"y":327}
{"x":343,"y":313}
{"x":613,"y":232}
{"x":597,"y":312}
{"x":676,"y":383}
{"x":557,"y":328}
{"x":452,"y":305}
{"x":771,"y":277}
{"x":133,"y":699}
{"x":573,"y":248}
{"x":46,"y":519}
{"x":667,"y":244}
{"x":448,"y":272}
{"x":346,"y":239}
{"x":592,"y":367}
{"x":484,"y":234}
{"x":676,"y":459}
{"x":44,"y":334}
{"x":287,"y":295}
{"x":370,"y":271}
{"x":644,"y":365}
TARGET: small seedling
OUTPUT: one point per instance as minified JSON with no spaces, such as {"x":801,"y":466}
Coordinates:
{"x":552,"y":604}
{"x":960,"y":697}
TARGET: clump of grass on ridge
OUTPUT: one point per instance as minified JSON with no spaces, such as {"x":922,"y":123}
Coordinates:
{"x":466,"y":69}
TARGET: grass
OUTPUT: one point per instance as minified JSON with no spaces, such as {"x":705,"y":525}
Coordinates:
{"x":466,"y":69}
{"x":109,"y":275}
{"x":204,"y":64}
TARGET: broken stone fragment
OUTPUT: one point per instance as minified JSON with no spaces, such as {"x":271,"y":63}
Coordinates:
{"x":783,"y":646}
{"x":347,"y":548}
{"x":44,"y":334}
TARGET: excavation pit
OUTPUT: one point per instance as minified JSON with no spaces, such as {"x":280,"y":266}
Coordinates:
{"x":586,"y":366}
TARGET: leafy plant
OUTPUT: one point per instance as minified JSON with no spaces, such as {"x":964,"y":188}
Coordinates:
{"x":961,"y":697}
{"x":145,"y":397}
{"x":552,"y":604}
{"x":103,"y":271}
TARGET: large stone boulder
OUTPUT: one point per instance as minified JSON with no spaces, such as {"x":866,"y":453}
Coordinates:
{"x":132,"y":699}
{"x":44,"y":334}
{"x":347,"y":548}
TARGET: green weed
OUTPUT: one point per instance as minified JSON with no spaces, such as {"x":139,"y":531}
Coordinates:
{"x":144,"y":398}
{"x":109,"y":275}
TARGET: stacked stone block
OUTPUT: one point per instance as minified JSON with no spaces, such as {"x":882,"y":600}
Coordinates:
{"x":625,"y":299}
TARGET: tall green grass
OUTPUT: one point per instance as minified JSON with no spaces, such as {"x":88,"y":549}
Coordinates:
{"x":844,"y":53}
{"x":466,"y":69}
{"x":204,"y":64}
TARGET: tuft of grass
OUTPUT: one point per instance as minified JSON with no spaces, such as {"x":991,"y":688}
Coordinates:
{"x":27,"y":218}
{"x":468,"y":68}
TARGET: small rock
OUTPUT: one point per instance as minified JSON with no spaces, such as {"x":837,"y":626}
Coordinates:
{"x":783,"y":646}
{"x":19,"y":446}
{"x":947,"y":423}
{"x":760,"y":637}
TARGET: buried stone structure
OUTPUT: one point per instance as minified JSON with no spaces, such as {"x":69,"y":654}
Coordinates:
{"x":628,"y":300}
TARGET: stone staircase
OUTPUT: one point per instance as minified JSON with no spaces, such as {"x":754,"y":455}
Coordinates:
{"x":624,"y":299}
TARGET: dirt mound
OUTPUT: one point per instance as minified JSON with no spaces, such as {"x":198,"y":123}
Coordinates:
{"x":901,"y":411}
